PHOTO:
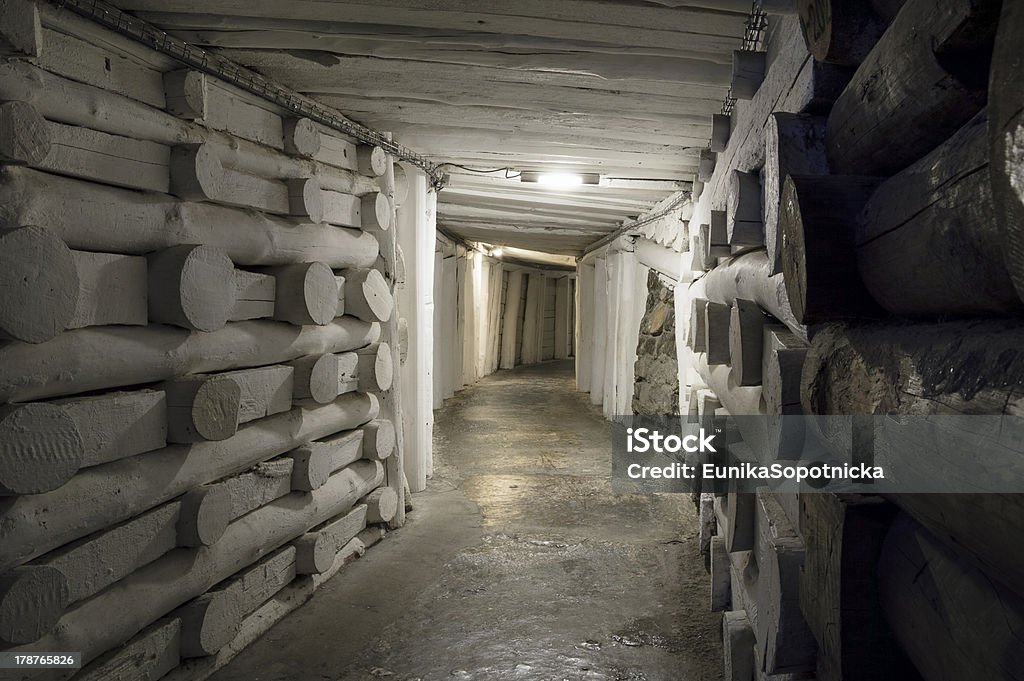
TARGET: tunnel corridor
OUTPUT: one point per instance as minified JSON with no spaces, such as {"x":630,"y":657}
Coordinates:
{"x":517,"y":562}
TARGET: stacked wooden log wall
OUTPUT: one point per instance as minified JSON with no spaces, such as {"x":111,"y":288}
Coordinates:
{"x":198,"y":415}
{"x":857,"y":239}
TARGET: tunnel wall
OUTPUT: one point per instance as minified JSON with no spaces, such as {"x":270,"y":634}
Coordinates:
{"x":198,"y":419}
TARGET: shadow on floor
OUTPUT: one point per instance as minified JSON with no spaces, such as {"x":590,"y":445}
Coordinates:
{"x":517,"y":563}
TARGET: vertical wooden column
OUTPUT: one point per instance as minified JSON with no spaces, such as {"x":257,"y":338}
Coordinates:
{"x":584,"y":326}
{"x":438,"y":309}
{"x":600,"y":329}
{"x":611,"y":346}
{"x":563,"y":332}
{"x":511,"y":319}
{"x":533,"y":319}
{"x":415,"y":232}
{"x":495,"y":275}
{"x":449,"y":335}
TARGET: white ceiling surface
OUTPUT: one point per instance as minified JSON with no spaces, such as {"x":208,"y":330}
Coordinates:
{"x":625,"y":88}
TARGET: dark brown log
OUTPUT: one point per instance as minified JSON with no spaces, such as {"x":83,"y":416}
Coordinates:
{"x":926,"y":241}
{"x":840,"y":31}
{"x":818,"y":226}
{"x":843,"y":537}
{"x":924,"y":79}
{"x":952,"y":620}
{"x":794,"y":144}
{"x":955,"y":368}
{"x":1006,"y":136}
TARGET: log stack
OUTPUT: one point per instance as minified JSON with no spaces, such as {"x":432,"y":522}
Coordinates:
{"x":194,"y":432}
{"x":891,"y":285}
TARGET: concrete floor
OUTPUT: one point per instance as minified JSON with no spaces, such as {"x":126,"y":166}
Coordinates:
{"x":517,"y":563}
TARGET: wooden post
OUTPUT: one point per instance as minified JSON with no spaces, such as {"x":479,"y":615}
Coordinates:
{"x":922,"y":69}
{"x":601,"y":320}
{"x":563,"y":329}
{"x":748,"y":71}
{"x":744,"y":222}
{"x":37,"y":302}
{"x":533,"y":318}
{"x":746,"y":332}
{"x":716,"y":332}
{"x":794,"y":145}
{"x":818,"y":263}
{"x":721,"y":126}
{"x":511,"y":319}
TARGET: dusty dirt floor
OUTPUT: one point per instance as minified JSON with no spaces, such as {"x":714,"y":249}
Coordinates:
{"x":518,"y":562}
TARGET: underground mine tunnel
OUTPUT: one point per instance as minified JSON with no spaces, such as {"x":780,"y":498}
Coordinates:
{"x":535,"y":340}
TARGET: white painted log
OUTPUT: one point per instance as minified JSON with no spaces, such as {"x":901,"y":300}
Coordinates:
{"x":25,"y":137}
{"x":80,"y":361}
{"x":721,"y":125}
{"x":134,"y":602}
{"x":264,"y":391}
{"x":371,"y":161}
{"x":378,"y":439}
{"x":794,"y":145}
{"x":1006,"y":132}
{"x":316,"y":378}
{"x":118,"y":425}
{"x":347,"y":378}
{"x":945,"y":201}
{"x":208,"y":623}
{"x":32,"y":599}
{"x":952,"y":619}
{"x":341,"y":449}
{"x":191,"y":286}
{"x":311,"y":467}
{"x":375,"y":210}
{"x":783,"y":357}
{"x":746,"y":334}
{"x":195,"y":172}
{"x":716,"y":332}
{"x":706,"y":165}
{"x":112,"y":289}
{"x":148,"y":222}
{"x":109,"y":159}
{"x":41,"y":448}
{"x":746,"y":276}
{"x":40,"y":523}
{"x":254,"y":295}
{"x":204,"y":515}
{"x":340,"y":280}
{"x":316,"y":551}
{"x":375,"y":369}
{"x":600,"y":330}
{"x":185,"y":93}
{"x":305,"y":199}
{"x":152,"y":654}
{"x":202,"y":408}
{"x":744,"y":223}
{"x":367,"y":295}
{"x":75,"y":103}
{"x":738,"y":646}
{"x":305,"y":294}
{"x":21,"y":34}
{"x":748,"y":71}
{"x":696,"y":339}
{"x":301,"y":137}
{"x":36,"y":302}
{"x":337,"y":150}
{"x":258,"y":486}
{"x":917,"y":71}
{"x":782,"y":634}
{"x":533,"y":319}
{"x":720,"y":578}
{"x":341,"y":209}
{"x":381,"y":505}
